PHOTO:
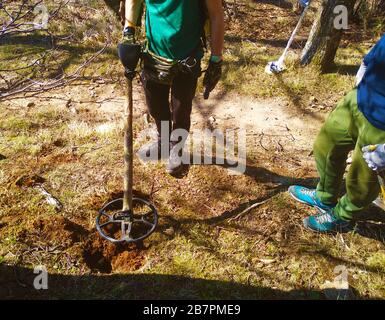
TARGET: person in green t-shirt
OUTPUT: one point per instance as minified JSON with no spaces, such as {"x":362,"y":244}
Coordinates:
{"x":174,"y":49}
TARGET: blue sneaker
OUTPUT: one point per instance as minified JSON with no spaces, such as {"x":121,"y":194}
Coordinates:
{"x":327,"y":222}
{"x":309,"y":197}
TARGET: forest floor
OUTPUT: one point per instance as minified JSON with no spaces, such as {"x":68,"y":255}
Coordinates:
{"x":69,"y":140}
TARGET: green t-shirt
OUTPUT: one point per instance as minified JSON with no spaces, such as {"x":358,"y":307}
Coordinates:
{"x":174,"y":27}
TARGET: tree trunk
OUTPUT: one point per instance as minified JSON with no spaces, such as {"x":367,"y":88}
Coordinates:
{"x":324,"y":39}
{"x":117,"y":7}
{"x":113,"y":5}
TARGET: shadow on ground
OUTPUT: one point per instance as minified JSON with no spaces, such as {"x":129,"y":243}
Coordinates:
{"x":344,"y":69}
{"x":17,"y":283}
{"x":279,"y":3}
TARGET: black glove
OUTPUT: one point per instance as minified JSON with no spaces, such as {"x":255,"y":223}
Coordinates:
{"x":129,"y":52}
{"x":212,"y":76}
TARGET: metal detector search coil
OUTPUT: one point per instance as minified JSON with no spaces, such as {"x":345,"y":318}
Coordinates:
{"x":131,"y":227}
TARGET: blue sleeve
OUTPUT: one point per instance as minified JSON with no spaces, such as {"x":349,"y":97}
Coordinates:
{"x":377,"y":52}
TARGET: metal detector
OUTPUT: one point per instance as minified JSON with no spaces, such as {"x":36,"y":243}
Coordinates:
{"x":128,"y":219}
{"x":279,"y":65}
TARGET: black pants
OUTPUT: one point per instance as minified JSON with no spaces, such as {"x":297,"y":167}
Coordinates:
{"x":177,"y":111}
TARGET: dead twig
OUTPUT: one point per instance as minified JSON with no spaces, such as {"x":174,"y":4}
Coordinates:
{"x":38,"y":87}
{"x":244,"y":212}
{"x":261,"y":141}
{"x":280,"y":147}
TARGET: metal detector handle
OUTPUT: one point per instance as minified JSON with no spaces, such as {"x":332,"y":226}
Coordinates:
{"x":128,"y":151}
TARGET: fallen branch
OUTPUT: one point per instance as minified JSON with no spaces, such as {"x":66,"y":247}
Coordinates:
{"x":37,"y":87}
{"x":261,"y":141}
{"x":13,"y":26}
{"x":244,"y":212}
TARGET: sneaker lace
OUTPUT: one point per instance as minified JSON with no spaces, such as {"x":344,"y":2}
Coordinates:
{"x":324,"y":218}
{"x":308,"y":192}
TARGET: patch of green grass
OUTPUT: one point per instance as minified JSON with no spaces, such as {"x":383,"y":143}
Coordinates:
{"x":272,"y":249}
{"x":281,"y":201}
{"x":19,"y":54}
{"x":185,"y":262}
{"x":16,"y":124}
{"x":10,"y":240}
{"x":377,"y":261}
{"x":50,"y":114}
{"x":20,"y":144}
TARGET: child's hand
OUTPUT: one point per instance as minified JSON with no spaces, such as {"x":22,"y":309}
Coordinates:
{"x":374,"y":156}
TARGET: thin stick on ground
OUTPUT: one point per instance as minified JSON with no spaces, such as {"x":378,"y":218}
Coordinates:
{"x":38,"y":87}
{"x":244,"y":212}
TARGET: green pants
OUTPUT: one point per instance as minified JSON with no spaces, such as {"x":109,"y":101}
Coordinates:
{"x":346,"y":129}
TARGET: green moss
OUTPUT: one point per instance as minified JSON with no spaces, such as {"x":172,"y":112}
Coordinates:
{"x":377,"y":261}
{"x":16,"y":124}
{"x":21,"y":143}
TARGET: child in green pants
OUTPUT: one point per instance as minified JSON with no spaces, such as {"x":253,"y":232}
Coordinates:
{"x":357,"y":121}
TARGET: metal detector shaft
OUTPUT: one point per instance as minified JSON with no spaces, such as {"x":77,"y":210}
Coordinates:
{"x":128,"y":151}
{"x":381,"y":180}
{"x":379,"y":202}
{"x":289,"y":43}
